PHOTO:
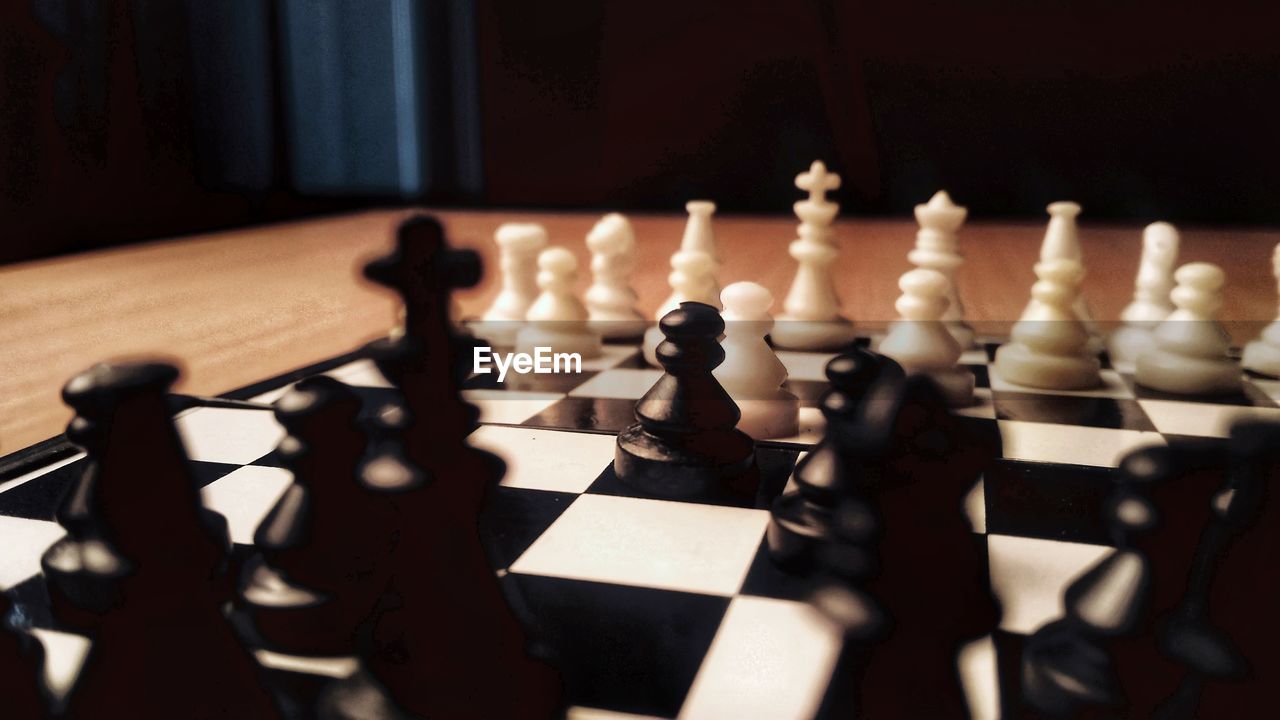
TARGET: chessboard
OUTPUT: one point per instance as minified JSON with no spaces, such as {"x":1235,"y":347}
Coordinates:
{"x":666,"y":608}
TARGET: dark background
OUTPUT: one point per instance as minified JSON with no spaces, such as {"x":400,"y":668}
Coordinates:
{"x":123,"y":120}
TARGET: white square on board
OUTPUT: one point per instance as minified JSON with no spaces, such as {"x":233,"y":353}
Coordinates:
{"x":547,"y":459}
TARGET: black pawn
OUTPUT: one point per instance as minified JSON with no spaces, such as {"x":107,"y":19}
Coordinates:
{"x":685,"y":443}
{"x":162,"y":647}
{"x":802,"y":521}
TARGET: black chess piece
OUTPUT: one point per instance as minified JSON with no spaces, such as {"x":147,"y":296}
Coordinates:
{"x":801,"y":522}
{"x":685,"y":443}
{"x":913,"y":463}
{"x":443,"y":630}
{"x":21,"y":665}
{"x":161,"y":647}
{"x":1226,"y":630}
{"x":326,"y":544}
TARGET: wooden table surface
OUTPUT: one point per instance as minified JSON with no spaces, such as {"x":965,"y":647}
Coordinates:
{"x":236,"y":307}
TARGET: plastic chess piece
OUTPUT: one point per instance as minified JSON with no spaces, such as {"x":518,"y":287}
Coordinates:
{"x":1150,"y":302}
{"x":811,"y":319}
{"x":1050,"y":345}
{"x":518,"y":245}
{"x":692,"y":279}
{"x":685,"y":443}
{"x":1062,"y":241}
{"x":801,"y":522}
{"x":698,"y":234}
{"x":558,"y":320}
{"x":922,"y":343}
{"x":751,"y":373}
{"x":163,"y":647}
{"x":936,"y":249}
{"x":611,"y":301}
{"x":1190,"y":352}
{"x":1263,"y":354}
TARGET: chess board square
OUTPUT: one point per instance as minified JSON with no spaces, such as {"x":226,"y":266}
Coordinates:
{"x":36,"y":495}
{"x":770,"y":658}
{"x":1270,"y":388}
{"x":1062,"y":502}
{"x":508,"y":407}
{"x":1028,"y":575}
{"x":1250,"y":395}
{"x":1202,"y":419}
{"x":540,"y":383}
{"x":24,"y":541}
{"x":648,"y":543}
{"x":513,"y":518}
{"x":805,"y":365}
{"x":1090,"y":411}
{"x":809,"y":391}
{"x":227,"y":435}
{"x":244,"y":497}
{"x":1113,"y":385}
{"x":981,"y":374}
{"x":812,"y":425}
{"x":976,"y":356}
{"x":1071,"y":444}
{"x":613,"y":356}
{"x":622,"y":649}
{"x":766,"y":579}
{"x":586,"y":413}
{"x":30,"y":603}
{"x":620,"y":384}
{"x":983,"y":405}
{"x":547,"y":459}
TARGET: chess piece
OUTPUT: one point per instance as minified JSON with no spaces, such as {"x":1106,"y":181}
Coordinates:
{"x":162,"y":646}
{"x":684,"y":443}
{"x":922,"y":343}
{"x":21,"y":662}
{"x":611,"y":302}
{"x":1190,"y":352}
{"x":803,"y":519}
{"x":1151,"y":302}
{"x":936,"y":249}
{"x":1263,"y":354}
{"x":1062,"y":241}
{"x":518,"y":245}
{"x":557,"y":319}
{"x":751,"y":373}
{"x":1049,"y":347}
{"x":692,"y":279}
{"x":812,"y":319}
{"x":698,"y":235}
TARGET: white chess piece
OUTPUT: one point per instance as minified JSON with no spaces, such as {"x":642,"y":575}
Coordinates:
{"x":811,"y":319}
{"x":1263,"y":355}
{"x":1050,"y":345}
{"x":1062,"y":241}
{"x":936,"y":249}
{"x":692,"y":279}
{"x":1151,"y":302}
{"x":557,"y":319}
{"x":1189,"y":356}
{"x":751,"y":372}
{"x":611,"y":302}
{"x":518,"y":246}
{"x":698,"y":234}
{"x":921,"y":342}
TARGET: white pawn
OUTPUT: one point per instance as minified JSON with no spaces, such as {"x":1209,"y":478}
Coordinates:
{"x":557,"y":320}
{"x":611,"y":302}
{"x":1062,"y":241}
{"x":1189,"y":356}
{"x":921,"y":342}
{"x":936,"y":249}
{"x":1151,"y":302}
{"x":692,"y":279}
{"x":518,"y":245}
{"x":751,"y":372}
{"x":1050,"y":345}
{"x":1263,"y":355}
{"x":811,"y":319}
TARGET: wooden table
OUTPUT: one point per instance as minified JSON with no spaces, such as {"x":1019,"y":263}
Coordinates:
{"x":236,"y":307}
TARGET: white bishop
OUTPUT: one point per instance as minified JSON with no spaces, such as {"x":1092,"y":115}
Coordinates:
{"x":1151,"y":302}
